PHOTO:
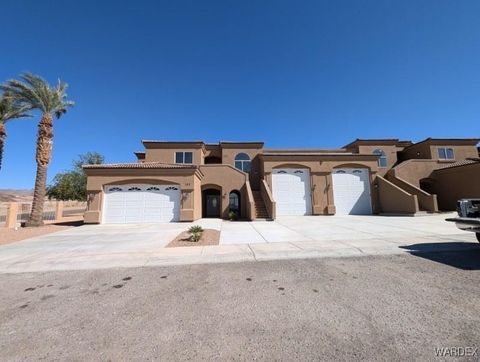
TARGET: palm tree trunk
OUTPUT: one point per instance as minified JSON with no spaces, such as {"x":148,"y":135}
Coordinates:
{"x":43,"y":155}
{"x":3,"y":135}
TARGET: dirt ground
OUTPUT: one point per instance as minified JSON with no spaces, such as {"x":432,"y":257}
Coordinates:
{"x":209,"y":237}
{"x":8,"y":236}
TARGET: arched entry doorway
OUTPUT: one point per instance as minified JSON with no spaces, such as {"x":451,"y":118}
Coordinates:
{"x":211,"y":203}
{"x":234,"y":203}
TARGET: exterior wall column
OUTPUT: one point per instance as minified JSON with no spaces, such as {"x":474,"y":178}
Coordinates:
{"x":186,"y":205}
{"x":93,"y":214}
{"x":330,"y":199}
{"x":59,"y":211}
{"x":12,"y":211}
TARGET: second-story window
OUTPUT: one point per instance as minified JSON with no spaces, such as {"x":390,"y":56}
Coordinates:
{"x":242,"y":162}
{"x":446,"y":153}
{"x":382,"y":159}
{"x":183,"y":157}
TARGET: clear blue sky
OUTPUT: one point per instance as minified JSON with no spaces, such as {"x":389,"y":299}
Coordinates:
{"x":291,"y":73}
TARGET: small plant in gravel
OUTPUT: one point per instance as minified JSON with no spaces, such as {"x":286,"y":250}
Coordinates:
{"x":195,"y":229}
{"x":195,"y":232}
{"x":195,"y":237}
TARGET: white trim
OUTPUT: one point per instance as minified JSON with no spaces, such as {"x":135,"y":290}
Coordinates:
{"x":182,"y":163}
{"x":445,"y":149}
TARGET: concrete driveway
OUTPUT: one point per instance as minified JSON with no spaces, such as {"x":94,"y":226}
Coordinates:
{"x":105,"y":246}
{"x":337,"y":228}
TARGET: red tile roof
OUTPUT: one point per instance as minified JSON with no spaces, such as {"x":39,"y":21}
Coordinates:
{"x":468,"y":161}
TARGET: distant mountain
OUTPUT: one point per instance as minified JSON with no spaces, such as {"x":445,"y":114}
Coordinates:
{"x":12,"y":195}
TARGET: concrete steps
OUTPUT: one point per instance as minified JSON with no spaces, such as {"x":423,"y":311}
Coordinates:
{"x":261,"y":211}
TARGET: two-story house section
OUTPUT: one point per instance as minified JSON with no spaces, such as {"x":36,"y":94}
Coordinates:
{"x":189,"y":180}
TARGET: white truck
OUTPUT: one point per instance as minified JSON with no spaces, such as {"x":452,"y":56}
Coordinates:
{"x":468,"y":216}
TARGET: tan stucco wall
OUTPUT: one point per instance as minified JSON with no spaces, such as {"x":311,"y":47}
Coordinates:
{"x":419,"y":151}
{"x":393,"y":199}
{"x":228,"y":179}
{"x":187,"y":179}
{"x":460,"y":152}
{"x":167,"y":155}
{"x":213,"y":151}
{"x":427,"y":150}
{"x":390,"y":153}
{"x":197,"y":195}
{"x":456,"y":183}
{"x":413,"y":171}
{"x":321,"y":168}
{"x":228,"y":158}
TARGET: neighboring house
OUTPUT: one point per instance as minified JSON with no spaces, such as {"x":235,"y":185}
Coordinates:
{"x":185,"y":181}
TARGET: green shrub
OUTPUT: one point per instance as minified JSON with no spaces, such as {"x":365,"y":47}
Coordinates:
{"x":196,"y":236}
{"x":195,"y":229}
{"x":232,"y":215}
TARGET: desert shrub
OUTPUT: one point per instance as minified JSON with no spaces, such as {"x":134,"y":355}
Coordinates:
{"x":195,"y":229}
{"x":195,"y":236}
{"x":233,"y":215}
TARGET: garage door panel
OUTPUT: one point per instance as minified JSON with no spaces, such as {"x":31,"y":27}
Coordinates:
{"x":351,"y":191}
{"x":141,"y":204}
{"x":291,"y":191}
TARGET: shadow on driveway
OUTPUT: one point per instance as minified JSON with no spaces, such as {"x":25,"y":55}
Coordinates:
{"x":460,"y":255}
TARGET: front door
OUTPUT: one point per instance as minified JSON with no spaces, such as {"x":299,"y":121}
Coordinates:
{"x":212,"y":208}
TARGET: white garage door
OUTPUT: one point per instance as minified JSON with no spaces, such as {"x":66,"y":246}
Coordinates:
{"x":351,"y":191}
{"x":291,"y":191}
{"x":125,"y":204}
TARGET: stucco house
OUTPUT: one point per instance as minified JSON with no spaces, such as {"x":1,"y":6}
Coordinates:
{"x":185,"y":181}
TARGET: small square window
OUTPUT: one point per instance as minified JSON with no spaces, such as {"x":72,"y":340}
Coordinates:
{"x":178,"y":157}
{"x":450,"y":155}
{"x":446,"y":154}
{"x":183,"y":157}
{"x":441,"y":154}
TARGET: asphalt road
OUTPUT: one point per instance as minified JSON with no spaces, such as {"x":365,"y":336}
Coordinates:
{"x":398,"y":307}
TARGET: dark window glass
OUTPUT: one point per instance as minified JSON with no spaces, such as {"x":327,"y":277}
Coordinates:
{"x":441,"y":154}
{"x":188,"y":157}
{"x":234,"y":202}
{"x":178,"y":157}
{"x":450,"y":154}
{"x":382,"y":160}
{"x":242,"y":162}
{"x":242,"y":157}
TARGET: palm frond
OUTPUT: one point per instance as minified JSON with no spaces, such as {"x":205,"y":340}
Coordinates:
{"x":34,"y":92}
{"x":9,"y":109}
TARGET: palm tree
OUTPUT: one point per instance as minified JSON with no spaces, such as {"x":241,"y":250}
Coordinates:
{"x":9,"y":110}
{"x":34,"y":92}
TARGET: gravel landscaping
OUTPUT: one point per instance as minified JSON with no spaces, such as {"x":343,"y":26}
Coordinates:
{"x":209,"y":237}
